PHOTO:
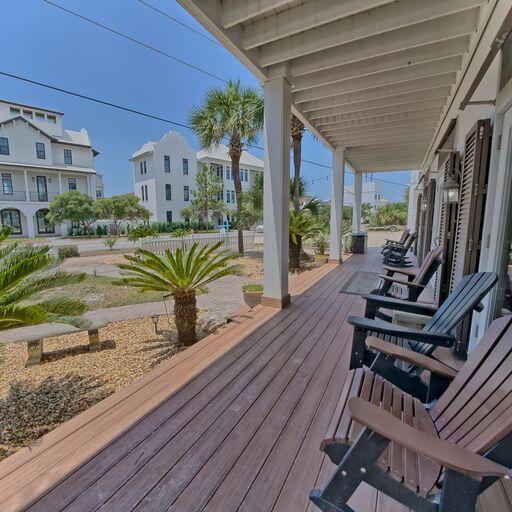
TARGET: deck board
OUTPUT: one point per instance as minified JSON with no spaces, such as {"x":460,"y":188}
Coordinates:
{"x":234,"y":423}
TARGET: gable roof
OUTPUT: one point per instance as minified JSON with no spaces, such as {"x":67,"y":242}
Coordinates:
{"x":12,"y":119}
{"x":221,"y":152}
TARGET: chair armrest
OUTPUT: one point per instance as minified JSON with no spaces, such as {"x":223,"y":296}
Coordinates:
{"x":446,"y":454}
{"x":401,"y":305}
{"x":368,"y":324}
{"x":401,"y":270}
{"x":401,"y":281}
{"x":411,"y":357}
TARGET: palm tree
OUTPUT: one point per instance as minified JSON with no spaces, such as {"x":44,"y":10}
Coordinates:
{"x":26,"y":270}
{"x":181,"y":274}
{"x":234,"y":113}
{"x":297,"y":132}
{"x":252,"y":202}
{"x":302,"y":225}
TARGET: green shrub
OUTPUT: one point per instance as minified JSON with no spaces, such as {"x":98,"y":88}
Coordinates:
{"x":141,"y":231}
{"x":110,"y":242}
{"x":67,"y":251}
{"x":253,"y":288}
{"x":101,"y":230}
{"x":321,"y":242}
{"x":170,"y":227}
{"x":389,"y":214}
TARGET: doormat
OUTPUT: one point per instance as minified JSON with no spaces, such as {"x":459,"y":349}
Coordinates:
{"x":361,"y":283}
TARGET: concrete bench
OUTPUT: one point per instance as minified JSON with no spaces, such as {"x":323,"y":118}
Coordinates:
{"x":35,"y":334}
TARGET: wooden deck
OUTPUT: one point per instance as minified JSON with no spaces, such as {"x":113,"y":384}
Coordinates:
{"x":233,"y":423}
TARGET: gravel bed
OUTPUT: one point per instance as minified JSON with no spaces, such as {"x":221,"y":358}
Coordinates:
{"x":35,"y":400}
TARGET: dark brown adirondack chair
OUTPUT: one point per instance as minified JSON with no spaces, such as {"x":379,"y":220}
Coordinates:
{"x":417,"y":279}
{"x":438,"y":332}
{"x":436,"y":459}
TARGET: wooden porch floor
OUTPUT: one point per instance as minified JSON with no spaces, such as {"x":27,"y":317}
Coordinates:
{"x":233,"y":423}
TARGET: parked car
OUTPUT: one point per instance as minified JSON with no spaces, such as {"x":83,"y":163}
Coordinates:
{"x":259,"y":228}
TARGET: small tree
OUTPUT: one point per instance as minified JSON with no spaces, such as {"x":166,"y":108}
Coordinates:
{"x":302,"y":225}
{"x":252,"y":203}
{"x":207,"y":203}
{"x":389,"y":214}
{"x":122,"y":208}
{"x":366,"y":212}
{"x":75,"y":207}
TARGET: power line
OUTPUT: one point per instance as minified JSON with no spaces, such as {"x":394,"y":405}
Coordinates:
{"x":136,"y":41}
{"x":176,"y":20}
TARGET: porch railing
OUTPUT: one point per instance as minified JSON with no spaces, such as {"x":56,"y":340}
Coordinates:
{"x":160,"y":244}
{"x":17,"y":195}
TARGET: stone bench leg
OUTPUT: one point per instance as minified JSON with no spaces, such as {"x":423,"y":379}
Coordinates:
{"x":35,"y":352}
{"x":94,"y":340}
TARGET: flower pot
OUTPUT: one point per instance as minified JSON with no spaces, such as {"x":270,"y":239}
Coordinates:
{"x":321,"y":258}
{"x":252,"y":299}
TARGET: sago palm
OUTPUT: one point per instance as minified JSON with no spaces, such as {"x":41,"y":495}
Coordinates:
{"x":26,"y":270}
{"x":302,"y":225}
{"x":180,"y":274}
{"x":234,"y":113}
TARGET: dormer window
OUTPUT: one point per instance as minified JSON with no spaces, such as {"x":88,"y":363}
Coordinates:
{"x":51,"y":119}
{"x":39,"y":116}
{"x":15,"y":111}
{"x":28,"y":113}
{"x":40,"y":151}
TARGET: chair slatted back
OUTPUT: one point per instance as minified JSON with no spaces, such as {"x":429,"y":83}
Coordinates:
{"x":476,"y":409}
{"x":425,"y":272}
{"x":466,"y":296}
{"x":404,"y":236}
{"x":408,"y":243}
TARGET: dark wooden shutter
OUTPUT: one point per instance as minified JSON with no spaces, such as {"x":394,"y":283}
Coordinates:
{"x":470,"y":216}
{"x":417,"y":222}
{"x":447,"y":227}
{"x":428,"y":218}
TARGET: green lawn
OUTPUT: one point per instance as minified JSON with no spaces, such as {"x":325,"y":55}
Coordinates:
{"x":101,"y":292}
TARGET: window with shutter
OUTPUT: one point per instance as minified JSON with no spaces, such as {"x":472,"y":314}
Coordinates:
{"x":417,"y":222}
{"x":468,"y":234}
{"x":428,"y":219}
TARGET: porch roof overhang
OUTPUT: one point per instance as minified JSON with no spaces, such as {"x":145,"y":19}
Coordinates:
{"x":381,"y":78}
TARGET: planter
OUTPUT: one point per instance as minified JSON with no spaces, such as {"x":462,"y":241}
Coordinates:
{"x":252,"y":294}
{"x":321,"y":258}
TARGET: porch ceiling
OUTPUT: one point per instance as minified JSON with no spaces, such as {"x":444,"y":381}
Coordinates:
{"x":373,"y":76}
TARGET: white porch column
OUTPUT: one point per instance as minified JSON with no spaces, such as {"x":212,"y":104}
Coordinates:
{"x":60,"y":183}
{"x":276,"y":190}
{"x":27,"y":193}
{"x":358,"y":200}
{"x":336,"y":222}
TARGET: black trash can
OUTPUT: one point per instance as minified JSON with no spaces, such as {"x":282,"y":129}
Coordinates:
{"x":359,"y":243}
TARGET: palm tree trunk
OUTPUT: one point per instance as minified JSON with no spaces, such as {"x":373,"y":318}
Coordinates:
{"x":235,"y":170}
{"x":185,"y":317}
{"x":294,"y":249}
{"x":297,"y":159}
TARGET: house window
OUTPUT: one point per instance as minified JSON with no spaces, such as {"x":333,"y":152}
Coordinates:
{"x":145,"y":168}
{"x":68,"y":157}
{"x":43,"y":225}
{"x":228,"y":172}
{"x":186,"y":193}
{"x":71,"y":183}
{"x":142,"y":193}
{"x":168,"y":195}
{"x":185,"y":166}
{"x":167,"y":163}
{"x":228,"y":196}
{"x":39,"y":116}
{"x":169,"y":216}
{"x":141,"y":168}
{"x":4,"y":146}
{"x":99,"y":192}
{"x":233,"y":198}
{"x":28,"y":114}
{"x":12,"y":217}
{"x":51,"y":119}
{"x":15,"y":111}
{"x":246,"y":175}
{"x":146,"y":191}
{"x":7,"y":184}
{"x":40,"y":151}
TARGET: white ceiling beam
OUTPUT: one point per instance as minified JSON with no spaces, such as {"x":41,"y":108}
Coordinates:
{"x":397,"y":127}
{"x":422,"y":84}
{"x":444,"y":29}
{"x":386,"y":159}
{"x":432,"y":105}
{"x":304,"y":16}
{"x":399,"y":166}
{"x":391,"y":119}
{"x":401,"y":13}
{"x":396,"y":60}
{"x":394,"y":76}
{"x":406,"y":150}
{"x":238,"y":11}
{"x":362,"y":141}
{"x":398,"y":101}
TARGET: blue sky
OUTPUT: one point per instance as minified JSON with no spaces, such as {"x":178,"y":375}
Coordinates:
{"x":48,"y":45}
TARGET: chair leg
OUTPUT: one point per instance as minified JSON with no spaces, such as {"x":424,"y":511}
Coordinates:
{"x":460,"y":492}
{"x":351,"y":471}
{"x":358,"y":348}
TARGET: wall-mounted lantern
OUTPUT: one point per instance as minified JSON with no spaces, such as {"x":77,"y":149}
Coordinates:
{"x":451,"y":191}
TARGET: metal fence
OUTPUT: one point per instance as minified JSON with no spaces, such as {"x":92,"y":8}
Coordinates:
{"x":160,"y":244}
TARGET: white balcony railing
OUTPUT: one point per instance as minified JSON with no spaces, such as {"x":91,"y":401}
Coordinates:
{"x":17,"y":195}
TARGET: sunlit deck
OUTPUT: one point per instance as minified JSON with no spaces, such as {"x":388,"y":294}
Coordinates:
{"x":233,"y":423}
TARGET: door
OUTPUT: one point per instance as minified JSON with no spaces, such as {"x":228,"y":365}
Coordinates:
{"x":42,"y":191}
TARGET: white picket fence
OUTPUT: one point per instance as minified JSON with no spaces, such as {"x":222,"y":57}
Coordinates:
{"x":159,"y":245}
